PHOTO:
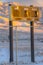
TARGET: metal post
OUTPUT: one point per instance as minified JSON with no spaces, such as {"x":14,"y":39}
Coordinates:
{"x":16,"y":47}
{"x":32,"y":40}
{"x":10,"y":35}
{"x":11,"y":40}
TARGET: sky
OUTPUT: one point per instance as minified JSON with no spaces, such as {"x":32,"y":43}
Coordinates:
{"x":27,"y":2}
{"x":4,"y":12}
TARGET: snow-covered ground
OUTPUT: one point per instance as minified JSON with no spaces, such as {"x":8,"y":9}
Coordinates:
{"x":22,"y":48}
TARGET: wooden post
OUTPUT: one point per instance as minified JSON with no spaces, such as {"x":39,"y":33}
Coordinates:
{"x":32,"y":40}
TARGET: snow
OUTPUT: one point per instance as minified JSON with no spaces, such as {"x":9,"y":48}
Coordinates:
{"x":22,"y":48}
